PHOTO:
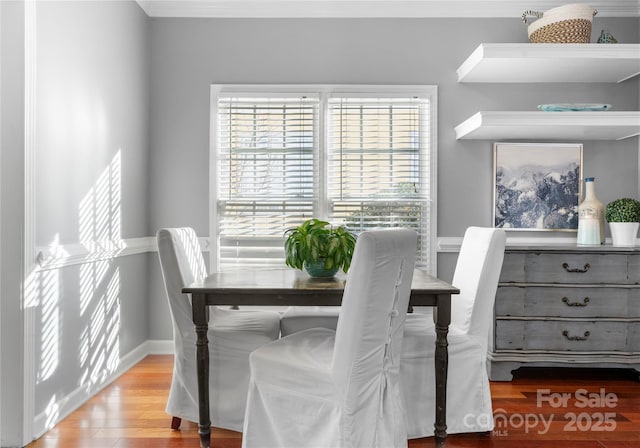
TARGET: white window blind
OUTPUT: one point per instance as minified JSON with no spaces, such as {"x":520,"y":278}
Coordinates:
{"x":378,"y":153}
{"x":266,"y":148}
{"x":359,"y":159}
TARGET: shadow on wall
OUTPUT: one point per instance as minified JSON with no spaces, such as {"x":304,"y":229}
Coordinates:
{"x":97,"y":307}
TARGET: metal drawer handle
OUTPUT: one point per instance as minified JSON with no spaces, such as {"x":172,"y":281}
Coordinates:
{"x":565,"y":333}
{"x":581,"y":271}
{"x":585,"y":302}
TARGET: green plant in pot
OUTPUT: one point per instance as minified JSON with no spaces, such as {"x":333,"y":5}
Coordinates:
{"x":319,"y":248}
{"x":623,"y":216}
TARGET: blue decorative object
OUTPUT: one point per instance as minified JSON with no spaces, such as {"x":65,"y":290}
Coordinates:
{"x":574,"y":107}
{"x":607,"y":38}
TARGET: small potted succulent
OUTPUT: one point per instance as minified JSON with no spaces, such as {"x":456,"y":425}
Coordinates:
{"x":319,"y":248}
{"x":623,"y":216}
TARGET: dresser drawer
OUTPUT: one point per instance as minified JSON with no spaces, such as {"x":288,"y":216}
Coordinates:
{"x":576,"y":268}
{"x":634,"y":269}
{"x":558,"y":335}
{"x":512,"y":268}
{"x":634,"y":337}
{"x":563,"y":301}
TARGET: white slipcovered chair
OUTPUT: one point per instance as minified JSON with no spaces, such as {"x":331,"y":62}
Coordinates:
{"x":321,"y":388}
{"x":468,"y":394}
{"x":233,"y":335}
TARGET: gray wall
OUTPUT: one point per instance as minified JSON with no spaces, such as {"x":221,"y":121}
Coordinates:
{"x":92,"y":91}
{"x":188,"y":55}
{"x":122,"y":94}
{"x":11,"y":220}
{"x":91,"y":185}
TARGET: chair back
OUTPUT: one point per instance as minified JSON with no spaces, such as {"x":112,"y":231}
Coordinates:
{"x":368,"y":340}
{"x":182,"y":263}
{"x":476,"y":275}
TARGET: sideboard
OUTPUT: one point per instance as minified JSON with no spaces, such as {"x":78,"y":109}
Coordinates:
{"x":564,"y":306}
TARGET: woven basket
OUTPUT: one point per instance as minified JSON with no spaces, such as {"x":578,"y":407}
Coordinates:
{"x":569,"y":24}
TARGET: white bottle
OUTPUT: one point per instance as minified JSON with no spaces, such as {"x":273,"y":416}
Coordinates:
{"x":590,"y":217}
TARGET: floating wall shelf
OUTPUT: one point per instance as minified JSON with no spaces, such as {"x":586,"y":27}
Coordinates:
{"x":609,"y":125}
{"x":551,"y":63}
{"x":511,"y":63}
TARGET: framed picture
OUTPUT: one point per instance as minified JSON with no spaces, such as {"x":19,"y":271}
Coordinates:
{"x":537,"y":186}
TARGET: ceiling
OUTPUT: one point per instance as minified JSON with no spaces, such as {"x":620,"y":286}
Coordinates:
{"x":372,"y":8}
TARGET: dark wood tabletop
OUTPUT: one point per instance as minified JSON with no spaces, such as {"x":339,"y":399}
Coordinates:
{"x":284,"y":287}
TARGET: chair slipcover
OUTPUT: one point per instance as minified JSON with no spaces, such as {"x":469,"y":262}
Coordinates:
{"x":233,"y":335}
{"x":321,"y":388}
{"x":468,"y":394}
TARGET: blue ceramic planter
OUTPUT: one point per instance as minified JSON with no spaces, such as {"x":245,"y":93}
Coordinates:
{"x":316,"y":269}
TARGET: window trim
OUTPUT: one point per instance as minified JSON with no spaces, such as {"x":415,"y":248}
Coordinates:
{"x":323,"y":91}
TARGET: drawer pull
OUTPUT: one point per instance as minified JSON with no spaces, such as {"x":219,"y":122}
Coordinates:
{"x":565,"y":333}
{"x":578,"y":270}
{"x":584,"y":302}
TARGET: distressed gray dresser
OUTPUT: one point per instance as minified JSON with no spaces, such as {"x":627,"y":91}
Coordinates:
{"x":567,"y":307}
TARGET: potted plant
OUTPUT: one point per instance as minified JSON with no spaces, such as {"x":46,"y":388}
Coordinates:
{"x":623,"y":216}
{"x":319,"y":248}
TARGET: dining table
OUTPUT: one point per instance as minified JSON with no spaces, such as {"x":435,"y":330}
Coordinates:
{"x":290,"y":287}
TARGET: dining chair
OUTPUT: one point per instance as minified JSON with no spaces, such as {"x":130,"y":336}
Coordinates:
{"x":322,"y":388}
{"x":468,"y":394}
{"x":233,"y":335}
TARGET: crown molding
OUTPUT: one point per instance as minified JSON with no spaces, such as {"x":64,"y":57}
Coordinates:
{"x":371,"y":8}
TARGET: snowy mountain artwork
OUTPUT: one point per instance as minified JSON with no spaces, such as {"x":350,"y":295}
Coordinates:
{"x":537,"y":186}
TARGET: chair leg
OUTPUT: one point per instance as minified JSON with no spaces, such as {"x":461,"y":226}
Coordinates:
{"x":175,"y":423}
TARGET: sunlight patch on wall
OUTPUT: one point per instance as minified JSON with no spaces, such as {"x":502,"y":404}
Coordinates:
{"x":100,"y":227}
{"x":42,"y":294}
{"x":52,"y":412}
{"x":100,"y":232}
{"x":48,"y":284}
{"x":100,"y":343}
{"x":91,"y":275}
{"x":113,"y":323}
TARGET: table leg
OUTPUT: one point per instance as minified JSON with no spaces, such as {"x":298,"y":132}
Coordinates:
{"x":443,"y":319}
{"x":201,"y":321}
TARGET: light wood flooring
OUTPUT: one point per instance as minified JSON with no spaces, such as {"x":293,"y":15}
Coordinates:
{"x":130,"y":413}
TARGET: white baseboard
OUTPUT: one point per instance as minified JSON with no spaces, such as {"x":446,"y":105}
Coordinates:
{"x":63,"y":406}
{"x":160,"y":346}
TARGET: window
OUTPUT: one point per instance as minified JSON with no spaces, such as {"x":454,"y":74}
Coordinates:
{"x":362,"y":157}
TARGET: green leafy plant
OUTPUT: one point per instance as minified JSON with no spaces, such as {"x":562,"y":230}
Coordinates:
{"x":316,"y":240}
{"x":623,"y":210}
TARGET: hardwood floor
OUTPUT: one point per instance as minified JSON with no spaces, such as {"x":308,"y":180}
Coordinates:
{"x":593,"y":409}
